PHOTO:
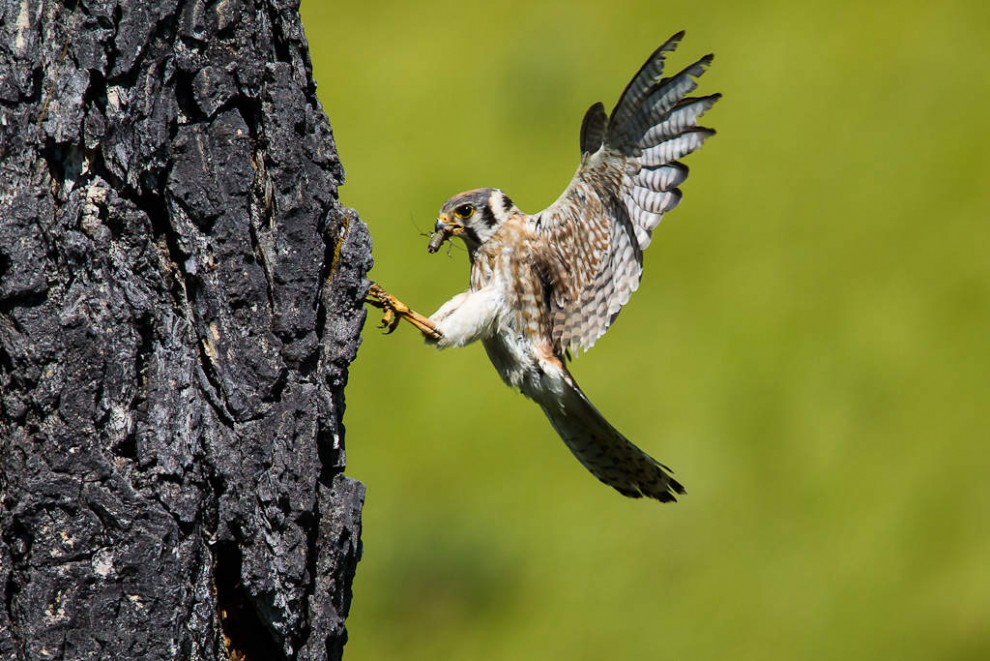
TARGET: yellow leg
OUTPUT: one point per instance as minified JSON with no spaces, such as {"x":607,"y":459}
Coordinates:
{"x":393,"y":310}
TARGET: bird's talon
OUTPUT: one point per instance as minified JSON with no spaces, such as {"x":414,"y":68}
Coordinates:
{"x":390,"y":321}
{"x":379,"y":298}
{"x":394,"y":311}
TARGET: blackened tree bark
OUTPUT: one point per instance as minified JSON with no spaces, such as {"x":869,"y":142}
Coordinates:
{"x":179,"y":303}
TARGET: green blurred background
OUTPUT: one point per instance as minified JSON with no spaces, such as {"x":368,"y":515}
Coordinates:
{"x":808,"y":350}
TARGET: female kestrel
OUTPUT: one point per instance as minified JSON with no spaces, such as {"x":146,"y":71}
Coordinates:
{"x":547,"y":283}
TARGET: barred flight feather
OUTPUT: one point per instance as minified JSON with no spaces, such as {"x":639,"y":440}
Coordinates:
{"x":662,"y":177}
{"x":644,"y":80}
{"x":682,"y":117}
{"x":666,"y":95}
{"x":675,"y":148}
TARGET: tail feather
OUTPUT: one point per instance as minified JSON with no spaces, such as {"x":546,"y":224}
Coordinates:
{"x":609,"y":455}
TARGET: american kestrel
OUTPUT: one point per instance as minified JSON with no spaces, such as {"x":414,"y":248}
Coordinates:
{"x":548,"y":283}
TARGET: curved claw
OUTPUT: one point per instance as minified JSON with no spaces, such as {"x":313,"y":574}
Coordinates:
{"x":390,"y":320}
{"x":381,"y":299}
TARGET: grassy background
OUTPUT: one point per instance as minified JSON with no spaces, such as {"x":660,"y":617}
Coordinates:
{"x":809,"y":349}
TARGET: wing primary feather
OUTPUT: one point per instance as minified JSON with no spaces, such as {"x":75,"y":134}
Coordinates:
{"x":658,"y":100}
{"x":675,"y":148}
{"x":662,"y":177}
{"x":644,"y":79}
{"x":683,"y":115}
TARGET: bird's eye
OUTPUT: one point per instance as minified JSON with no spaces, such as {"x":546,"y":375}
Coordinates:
{"x":464,"y":211}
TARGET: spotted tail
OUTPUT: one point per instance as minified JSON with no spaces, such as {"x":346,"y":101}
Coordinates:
{"x":609,"y":455}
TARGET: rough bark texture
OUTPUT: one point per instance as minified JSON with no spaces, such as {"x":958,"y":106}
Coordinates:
{"x":179,"y":303}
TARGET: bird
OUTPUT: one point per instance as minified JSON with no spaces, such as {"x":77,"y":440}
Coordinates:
{"x":545,"y":285}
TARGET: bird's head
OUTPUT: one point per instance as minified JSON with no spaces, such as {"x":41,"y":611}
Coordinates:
{"x":474,"y":216}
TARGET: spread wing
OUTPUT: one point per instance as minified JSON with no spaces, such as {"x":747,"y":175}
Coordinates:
{"x":628,"y":178}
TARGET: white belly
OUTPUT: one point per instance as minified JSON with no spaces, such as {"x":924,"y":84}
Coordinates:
{"x":521,"y":367}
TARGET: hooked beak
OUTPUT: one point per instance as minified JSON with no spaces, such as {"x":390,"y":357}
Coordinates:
{"x":443,"y":230}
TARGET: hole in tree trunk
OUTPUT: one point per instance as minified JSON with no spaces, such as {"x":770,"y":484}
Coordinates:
{"x":244,"y":634}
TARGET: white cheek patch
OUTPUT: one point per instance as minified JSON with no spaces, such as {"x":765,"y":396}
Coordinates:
{"x":497,"y":203}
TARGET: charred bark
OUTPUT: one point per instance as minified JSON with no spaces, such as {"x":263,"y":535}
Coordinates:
{"x":179,"y":303}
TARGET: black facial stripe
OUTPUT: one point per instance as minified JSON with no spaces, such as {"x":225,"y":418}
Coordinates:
{"x":472,"y":235}
{"x":507,"y":202}
{"x":487,"y":217}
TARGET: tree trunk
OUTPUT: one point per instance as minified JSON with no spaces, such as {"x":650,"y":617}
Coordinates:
{"x":180,"y":298}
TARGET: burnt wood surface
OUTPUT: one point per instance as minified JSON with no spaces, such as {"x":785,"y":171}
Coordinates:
{"x":180,"y":299}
